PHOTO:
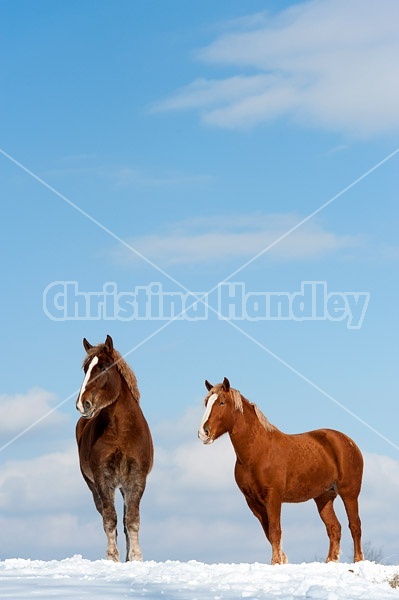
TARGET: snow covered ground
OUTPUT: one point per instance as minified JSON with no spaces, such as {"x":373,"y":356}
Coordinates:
{"x":80,"y":579}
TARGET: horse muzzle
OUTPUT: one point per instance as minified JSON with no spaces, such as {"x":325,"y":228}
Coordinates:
{"x":88,"y":409}
{"x":205,"y":438}
{"x":88,"y":415}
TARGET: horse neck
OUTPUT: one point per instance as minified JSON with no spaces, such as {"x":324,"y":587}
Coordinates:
{"x":248,"y":434}
{"x":123,"y":402}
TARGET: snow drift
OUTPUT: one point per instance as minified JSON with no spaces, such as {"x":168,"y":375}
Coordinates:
{"x":172,"y":580}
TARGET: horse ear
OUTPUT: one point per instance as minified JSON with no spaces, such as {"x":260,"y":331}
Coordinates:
{"x":109,"y":343}
{"x":208,"y":385}
{"x":86,"y":345}
{"x":226,"y":384}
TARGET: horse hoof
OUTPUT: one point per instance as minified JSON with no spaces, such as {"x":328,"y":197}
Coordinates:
{"x":135,"y":557}
{"x":112,"y":556}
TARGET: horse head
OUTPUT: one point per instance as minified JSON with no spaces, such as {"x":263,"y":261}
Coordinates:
{"x":102,"y":383}
{"x":221,"y":402}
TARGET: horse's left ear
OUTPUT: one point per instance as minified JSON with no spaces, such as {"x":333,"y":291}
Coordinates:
{"x":226,"y":384}
{"x":208,"y":385}
{"x":109,"y":344}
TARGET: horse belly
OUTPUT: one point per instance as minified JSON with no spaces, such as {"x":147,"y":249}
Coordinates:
{"x":310,"y":478}
{"x":306,"y":491}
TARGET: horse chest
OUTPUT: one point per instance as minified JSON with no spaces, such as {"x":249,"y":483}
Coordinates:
{"x":250,"y":483}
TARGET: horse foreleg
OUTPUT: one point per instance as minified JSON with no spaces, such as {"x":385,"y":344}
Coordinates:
{"x":107,"y":495}
{"x":131,"y":520}
{"x":273,"y":509}
{"x":324,"y":504}
{"x":273,"y":533}
{"x":96,"y":496}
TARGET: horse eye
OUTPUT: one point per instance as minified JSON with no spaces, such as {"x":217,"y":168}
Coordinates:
{"x":222,"y":403}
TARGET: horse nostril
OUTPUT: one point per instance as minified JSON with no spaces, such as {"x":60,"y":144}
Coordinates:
{"x":206,"y":431}
{"x":87,"y":405}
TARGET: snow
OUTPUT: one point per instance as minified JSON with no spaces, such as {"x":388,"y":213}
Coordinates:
{"x":79,"y":578}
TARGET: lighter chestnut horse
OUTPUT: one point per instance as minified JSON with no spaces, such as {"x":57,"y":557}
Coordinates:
{"x":114,"y":441}
{"x":273,"y":467}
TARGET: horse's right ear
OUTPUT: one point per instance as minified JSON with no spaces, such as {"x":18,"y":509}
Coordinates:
{"x":109,"y":343}
{"x":208,"y":385}
{"x":226,"y":384}
{"x":86,"y":345}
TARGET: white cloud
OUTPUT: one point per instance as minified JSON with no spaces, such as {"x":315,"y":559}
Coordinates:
{"x":125,"y":176}
{"x":237,"y":237}
{"x":46,"y":509}
{"x":50,"y":483}
{"x":51,"y":536}
{"x":326,"y":62}
{"x":22,"y":410}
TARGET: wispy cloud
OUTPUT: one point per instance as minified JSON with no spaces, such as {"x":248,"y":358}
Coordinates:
{"x":22,"y":483}
{"x":47,"y":493}
{"x":324,"y":62}
{"x":128,"y":177}
{"x":124,"y":176}
{"x":22,"y":410}
{"x":227,"y":238}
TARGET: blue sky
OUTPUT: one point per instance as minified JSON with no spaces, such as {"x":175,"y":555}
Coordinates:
{"x":152,"y":143}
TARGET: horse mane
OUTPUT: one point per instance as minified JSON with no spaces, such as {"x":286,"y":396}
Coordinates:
{"x":264,"y":421}
{"x":127,"y":373}
{"x":123,"y":368}
{"x":238,"y":403}
{"x":237,"y":399}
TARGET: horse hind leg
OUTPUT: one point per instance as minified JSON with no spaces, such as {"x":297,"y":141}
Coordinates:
{"x":324,"y":504}
{"x":352,"y":510}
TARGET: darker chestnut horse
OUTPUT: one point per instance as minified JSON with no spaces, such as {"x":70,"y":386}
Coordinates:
{"x":273,"y":467}
{"x":114,"y":441}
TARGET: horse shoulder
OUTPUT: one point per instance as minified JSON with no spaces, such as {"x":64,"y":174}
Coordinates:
{"x":133,"y":434}
{"x":80,"y":425}
{"x":262,"y":467}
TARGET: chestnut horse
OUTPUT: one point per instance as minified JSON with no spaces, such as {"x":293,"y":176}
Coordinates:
{"x":114,"y":441}
{"x":273,"y":467}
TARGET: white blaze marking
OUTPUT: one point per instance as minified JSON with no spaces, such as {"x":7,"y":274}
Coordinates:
{"x":85,"y":382}
{"x":211,"y":402}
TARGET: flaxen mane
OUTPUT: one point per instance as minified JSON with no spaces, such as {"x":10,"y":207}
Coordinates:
{"x":263,"y":420}
{"x":237,"y":398}
{"x":238,"y":405}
